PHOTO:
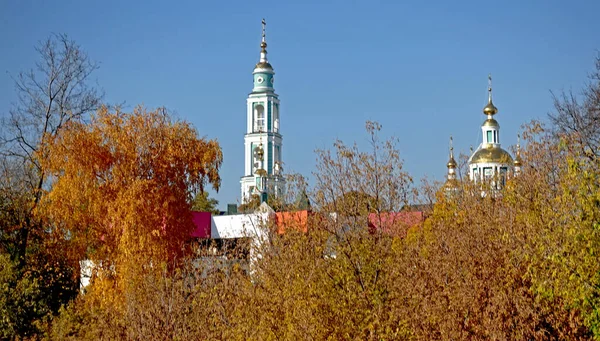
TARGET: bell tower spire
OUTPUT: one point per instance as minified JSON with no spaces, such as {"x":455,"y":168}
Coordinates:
{"x":451,"y":185}
{"x":263,"y":71}
{"x":490,"y":110}
{"x":518,"y":162}
{"x":263,"y":140}
{"x":263,"y":44}
{"x":451,"y":163}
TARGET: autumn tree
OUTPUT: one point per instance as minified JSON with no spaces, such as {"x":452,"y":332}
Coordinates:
{"x":555,"y":201}
{"x":123,"y":183}
{"x":52,"y":94}
{"x":576,"y":117}
{"x":121,"y":194}
{"x":333,"y":281}
{"x":563,"y":217}
{"x":57,"y":90}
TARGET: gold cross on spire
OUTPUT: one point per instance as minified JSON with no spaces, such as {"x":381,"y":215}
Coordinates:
{"x":264,"y":23}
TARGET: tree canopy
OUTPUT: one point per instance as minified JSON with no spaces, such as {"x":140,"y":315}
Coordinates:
{"x":123,"y":182}
{"x":203,"y":203}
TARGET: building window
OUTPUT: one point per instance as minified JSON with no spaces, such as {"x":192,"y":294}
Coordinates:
{"x":496,"y":137}
{"x":488,"y":172}
{"x":489,"y":136}
{"x":252,"y":159}
{"x":502,"y":180}
{"x":475,"y":174}
{"x":275,"y":117}
{"x":259,"y":118}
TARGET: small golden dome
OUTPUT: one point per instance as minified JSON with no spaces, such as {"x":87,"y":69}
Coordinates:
{"x":490,"y":109}
{"x":451,"y":163}
{"x":517,"y":162}
{"x":491,"y":154}
{"x":263,"y":65}
{"x":261,"y":172}
{"x":490,"y":122}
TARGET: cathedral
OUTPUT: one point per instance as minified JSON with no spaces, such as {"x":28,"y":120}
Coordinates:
{"x":489,"y":163}
{"x":263,"y":139}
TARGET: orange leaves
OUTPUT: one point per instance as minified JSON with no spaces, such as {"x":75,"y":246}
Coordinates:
{"x":124,"y":181}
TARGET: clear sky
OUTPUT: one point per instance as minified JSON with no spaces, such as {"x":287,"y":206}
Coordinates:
{"x":418,"y":67}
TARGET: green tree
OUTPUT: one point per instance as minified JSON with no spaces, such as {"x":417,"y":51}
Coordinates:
{"x":202,"y":203}
{"x":21,"y":301}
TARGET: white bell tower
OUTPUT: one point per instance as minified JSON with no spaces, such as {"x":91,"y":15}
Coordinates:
{"x":263,"y":139}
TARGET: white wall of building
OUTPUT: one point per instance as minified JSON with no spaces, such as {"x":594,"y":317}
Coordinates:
{"x":239,"y":226}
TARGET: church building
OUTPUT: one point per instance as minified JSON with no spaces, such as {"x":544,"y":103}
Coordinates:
{"x":263,"y":139}
{"x":489,"y":163}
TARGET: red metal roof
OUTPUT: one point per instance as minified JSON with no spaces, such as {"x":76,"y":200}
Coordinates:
{"x":297,"y":220}
{"x":394,"y":223}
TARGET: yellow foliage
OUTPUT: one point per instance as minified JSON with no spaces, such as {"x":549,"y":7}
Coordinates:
{"x":122,"y":183}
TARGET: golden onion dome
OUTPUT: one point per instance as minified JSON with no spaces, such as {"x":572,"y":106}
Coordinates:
{"x":451,"y":163}
{"x":490,"y":108}
{"x":490,"y":154}
{"x":517,"y":162}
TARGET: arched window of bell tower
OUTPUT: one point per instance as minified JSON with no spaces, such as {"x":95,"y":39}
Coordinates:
{"x":259,"y":118}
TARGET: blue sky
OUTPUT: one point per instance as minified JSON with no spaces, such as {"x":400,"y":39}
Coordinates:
{"x":418,"y":67}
